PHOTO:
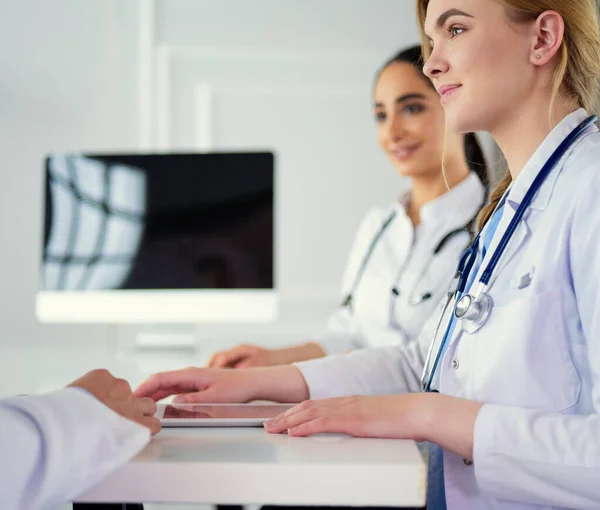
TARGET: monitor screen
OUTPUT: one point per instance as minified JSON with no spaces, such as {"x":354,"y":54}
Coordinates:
{"x":167,"y":225}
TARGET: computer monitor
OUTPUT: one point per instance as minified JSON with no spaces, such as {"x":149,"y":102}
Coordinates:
{"x":158,"y":238}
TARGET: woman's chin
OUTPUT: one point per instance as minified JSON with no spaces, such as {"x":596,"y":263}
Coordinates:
{"x":460,"y":121}
{"x":408,"y":170}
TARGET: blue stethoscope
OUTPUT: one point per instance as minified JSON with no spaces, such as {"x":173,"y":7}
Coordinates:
{"x":472,"y":310}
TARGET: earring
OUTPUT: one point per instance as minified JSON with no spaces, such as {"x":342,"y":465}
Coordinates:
{"x":538,"y":55}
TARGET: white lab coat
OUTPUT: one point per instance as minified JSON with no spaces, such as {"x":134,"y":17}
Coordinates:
{"x":535,"y":363}
{"x":402,"y":258}
{"x":55,"y":446}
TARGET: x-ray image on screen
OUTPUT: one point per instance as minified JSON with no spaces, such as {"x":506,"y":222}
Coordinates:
{"x":158,"y":221}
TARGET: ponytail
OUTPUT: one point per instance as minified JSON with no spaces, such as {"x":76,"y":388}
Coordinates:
{"x":476,"y":162}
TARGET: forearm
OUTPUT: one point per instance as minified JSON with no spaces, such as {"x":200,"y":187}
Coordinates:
{"x":376,"y":371}
{"x":283,"y":383}
{"x":303,"y":352}
{"x":448,"y":422}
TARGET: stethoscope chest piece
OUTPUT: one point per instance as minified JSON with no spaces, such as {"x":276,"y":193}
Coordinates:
{"x":473,"y":311}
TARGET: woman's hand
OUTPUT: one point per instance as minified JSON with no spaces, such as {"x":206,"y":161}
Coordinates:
{"x":197,"y":385}
{"x":214,"y":385}
{"x":394,"y":416}
{"x":441,"y":419}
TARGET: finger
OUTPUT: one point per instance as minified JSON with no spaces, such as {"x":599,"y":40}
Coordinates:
{"x":306,"y":409}
{"x":247,"y":363}
{"x":316,"y":426}
{"x":221,"y":360}
{"x":208,"y":396}
{"x":166,"y":381}
{"x":175,"y":390}
{"x":151,"y":423}
{"x":302,"y":406}
{"x":278,"y":426}
{"x":213,"y":360}
{"x":122,"y":386}
{"x":198,"y":397}
{"x":147,"y":406}
{"x":231,"y":358}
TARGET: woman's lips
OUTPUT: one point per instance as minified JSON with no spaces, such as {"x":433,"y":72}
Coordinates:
{"x":405,"y":153}
{"x":446,"y":91}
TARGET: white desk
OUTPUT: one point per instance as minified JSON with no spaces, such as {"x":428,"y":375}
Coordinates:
{"x":247,"y":465}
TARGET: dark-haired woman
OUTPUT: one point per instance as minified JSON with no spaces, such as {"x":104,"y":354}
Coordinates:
{"x":404,"y":253}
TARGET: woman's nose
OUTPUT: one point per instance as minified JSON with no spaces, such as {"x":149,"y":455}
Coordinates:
{"x":435,"y":65}
{"x":396,"y":129}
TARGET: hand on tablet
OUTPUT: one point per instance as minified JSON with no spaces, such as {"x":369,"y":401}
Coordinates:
{"x":198,"y":385}
{"x":216,"y":385}
{"x":392,"y":416}
{"x":116,"y":394}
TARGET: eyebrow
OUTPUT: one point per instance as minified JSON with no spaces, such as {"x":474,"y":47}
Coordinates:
{"x":404,"y":98}
{"x":448,"y":14}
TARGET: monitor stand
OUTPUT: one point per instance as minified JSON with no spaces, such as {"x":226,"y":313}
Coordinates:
{"x":155,"y":347}
{"x":165,"y":337}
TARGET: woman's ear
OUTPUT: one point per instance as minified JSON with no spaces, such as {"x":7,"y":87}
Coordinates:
{"x":548,"y":35}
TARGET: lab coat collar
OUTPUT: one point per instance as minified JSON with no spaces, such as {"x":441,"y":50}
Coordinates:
{"x":454,"y":208}
{"x":542,"y":154}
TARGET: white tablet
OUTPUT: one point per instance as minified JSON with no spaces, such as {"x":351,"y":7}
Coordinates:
{"x":218,"y":415}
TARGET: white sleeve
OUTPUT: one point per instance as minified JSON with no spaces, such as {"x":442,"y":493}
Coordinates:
{"x":341,"y":333}
{"x":374,"y":371}
{"x":548,"y":458}
{"x":55,"y":446}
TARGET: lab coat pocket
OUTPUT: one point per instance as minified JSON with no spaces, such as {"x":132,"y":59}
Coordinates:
{"x":523,"y":355}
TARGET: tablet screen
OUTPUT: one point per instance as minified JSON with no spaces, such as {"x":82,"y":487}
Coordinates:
{"x":228,"y":411}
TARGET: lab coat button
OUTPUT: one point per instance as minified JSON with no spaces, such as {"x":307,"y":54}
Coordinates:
{"x":467,"y":462}
{"x":455,"y":364}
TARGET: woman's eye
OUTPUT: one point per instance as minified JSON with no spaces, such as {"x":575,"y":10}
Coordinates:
{"x":380,"y":116}
{"x":454,"y":31}
{"x":413,"y":109}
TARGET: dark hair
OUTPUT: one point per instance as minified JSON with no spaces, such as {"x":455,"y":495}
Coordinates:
{"x":473,"y":151}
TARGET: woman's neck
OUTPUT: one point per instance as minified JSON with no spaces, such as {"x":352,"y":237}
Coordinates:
{"x":520,"y":135}
{"x":427,"y":188}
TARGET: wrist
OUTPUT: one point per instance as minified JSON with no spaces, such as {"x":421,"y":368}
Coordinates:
{"x":283,"y":383}
{"x":425,"y":416}
{"x":447,"y":421}
{"x":282,"y":356}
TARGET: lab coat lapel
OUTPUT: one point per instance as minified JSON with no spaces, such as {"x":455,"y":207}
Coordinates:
{"x":521,"y":234}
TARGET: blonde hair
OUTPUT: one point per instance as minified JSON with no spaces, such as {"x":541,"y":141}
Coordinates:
{"x":578,"y":70}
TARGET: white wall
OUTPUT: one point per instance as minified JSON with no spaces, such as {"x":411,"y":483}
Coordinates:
{"x":110,"y":75}
{"x":67,"y":81}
